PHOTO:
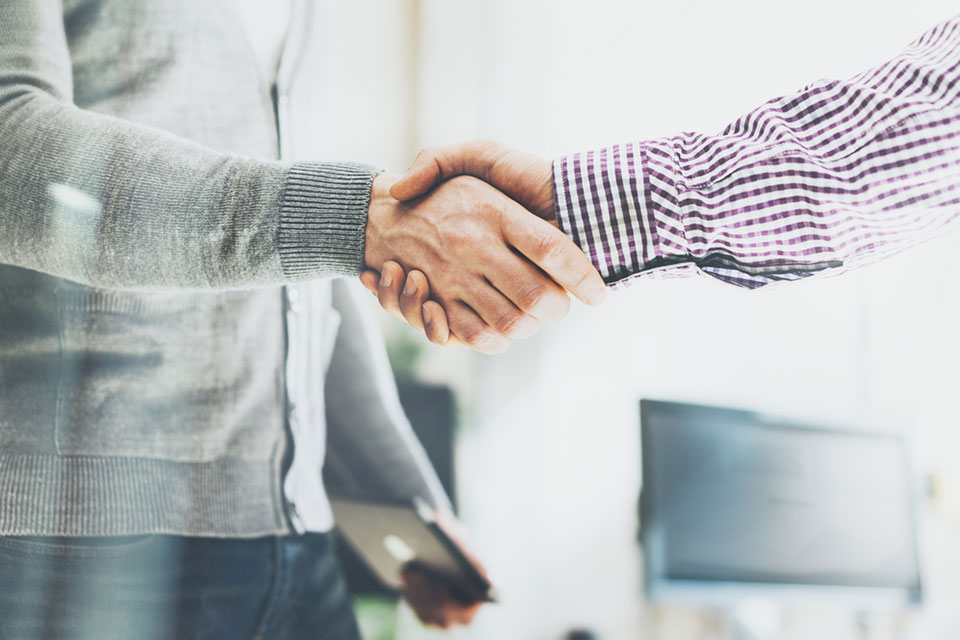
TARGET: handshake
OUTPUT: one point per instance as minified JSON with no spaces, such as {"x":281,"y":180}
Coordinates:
{"x":465,"y":247}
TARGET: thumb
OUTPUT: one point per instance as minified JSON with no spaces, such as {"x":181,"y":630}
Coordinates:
{"x":433,"y":165}
{"x":422,"y":176}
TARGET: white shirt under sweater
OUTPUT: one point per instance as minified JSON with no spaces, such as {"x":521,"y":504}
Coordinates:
{"x":266,"y":23}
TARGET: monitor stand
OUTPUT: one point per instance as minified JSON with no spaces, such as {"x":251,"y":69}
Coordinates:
{"x":755,"y":619}
{"x":761,"y":619}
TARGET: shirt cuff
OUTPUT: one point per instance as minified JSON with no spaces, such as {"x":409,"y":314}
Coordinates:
{"x":323,"y":219}
{"x":621,"y":206}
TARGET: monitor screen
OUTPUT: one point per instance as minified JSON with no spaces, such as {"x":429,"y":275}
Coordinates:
{"x":733,"y":498}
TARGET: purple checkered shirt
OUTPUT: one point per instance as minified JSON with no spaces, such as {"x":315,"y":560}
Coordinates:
{"x":836,"y":176}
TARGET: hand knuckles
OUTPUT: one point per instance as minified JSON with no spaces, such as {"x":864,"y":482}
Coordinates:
{"x":420,"y":282}
{"x":476,"y":337}
{"x":546,"y":248}
{"x":409,"y":304}
{"x":508,"y":321}
{"x":492,"y":208}
{"x":584,"y":277}
{"x":484,"y":340}
{"x":530,"y":296}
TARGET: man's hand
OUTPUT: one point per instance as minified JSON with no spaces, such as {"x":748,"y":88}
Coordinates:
{"x":495,"y":270}
{"x":407,"y":297}
{"x":429,"y":595}
{"x":526,"y":178}
{"x":433,"y":601}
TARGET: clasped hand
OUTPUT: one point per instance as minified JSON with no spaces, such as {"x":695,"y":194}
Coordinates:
{"x":465,"y":247}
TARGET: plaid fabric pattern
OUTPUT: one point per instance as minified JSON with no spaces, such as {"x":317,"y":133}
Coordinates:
{"x":836,"y":176}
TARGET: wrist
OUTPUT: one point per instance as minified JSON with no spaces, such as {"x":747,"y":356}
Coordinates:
{"x":321,"y":217}
{"x":381,"y":209}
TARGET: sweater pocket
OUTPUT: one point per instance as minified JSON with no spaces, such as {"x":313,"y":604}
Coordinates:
{"x":187,"y":377}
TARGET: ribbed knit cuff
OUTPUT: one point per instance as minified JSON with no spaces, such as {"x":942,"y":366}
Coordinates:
{"x":323,"y":219}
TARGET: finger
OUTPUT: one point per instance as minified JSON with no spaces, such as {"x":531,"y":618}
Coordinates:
{"x":423,"y":175}
{"x":472,"y":331}
{"x":526,"y":178}
{"x":435,"y":323}
{"x":499,"y":312}
{"x":423,"y":597}
{"x":391,"y":279}
{"x":435,"y":314}
{"x":442,"y":620}
{"x":465,"y":614}
{"x":529,"y":289}
{"x":436,"y":164}
{"x":415,"y":292}
{"x":433,"y":601}
{"x":371,"y":280}
{"x":555,"y":253}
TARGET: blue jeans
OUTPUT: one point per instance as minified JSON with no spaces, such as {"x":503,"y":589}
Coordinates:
{"x":170,"y":587}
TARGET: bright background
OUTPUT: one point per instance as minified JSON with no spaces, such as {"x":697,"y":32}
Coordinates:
{"x":548,"y":449}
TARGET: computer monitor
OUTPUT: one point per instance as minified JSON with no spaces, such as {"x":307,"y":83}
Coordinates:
{"x":737,"y":504}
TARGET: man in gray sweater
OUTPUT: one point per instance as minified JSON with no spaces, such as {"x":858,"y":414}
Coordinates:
{"x":175,"y":352}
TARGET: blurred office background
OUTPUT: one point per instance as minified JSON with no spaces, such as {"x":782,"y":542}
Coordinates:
{"x":547,"y":452}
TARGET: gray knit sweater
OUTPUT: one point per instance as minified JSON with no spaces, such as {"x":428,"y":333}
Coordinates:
{"x":144,"y":246}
